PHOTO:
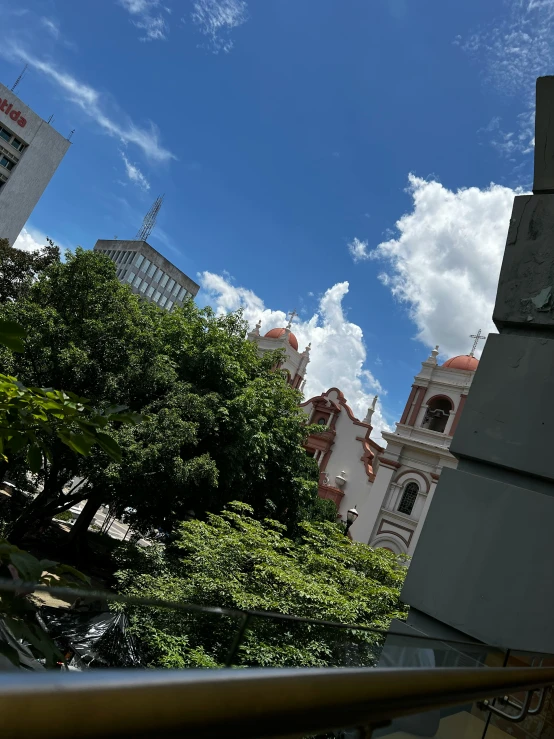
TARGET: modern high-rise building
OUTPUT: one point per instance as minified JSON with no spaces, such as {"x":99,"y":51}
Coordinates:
{"x":30,"y":152}
{"x":148,"y":273}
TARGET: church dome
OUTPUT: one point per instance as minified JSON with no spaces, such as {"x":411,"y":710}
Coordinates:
{"x":276,"y":333}
{"x":463,"y":362}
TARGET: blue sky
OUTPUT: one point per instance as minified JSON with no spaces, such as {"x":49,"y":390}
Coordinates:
{"x":332,"y":157}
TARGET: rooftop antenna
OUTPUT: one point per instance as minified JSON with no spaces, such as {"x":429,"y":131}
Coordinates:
{"x":18,"y":80}
{"x":71,"y":134}
{"x":150,"y":220}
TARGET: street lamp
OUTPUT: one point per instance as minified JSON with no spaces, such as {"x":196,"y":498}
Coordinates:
{"x":351,"y":516}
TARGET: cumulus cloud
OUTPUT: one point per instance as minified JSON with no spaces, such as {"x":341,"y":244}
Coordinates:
{"x":217,"y":18}
{"x":134,"y":173}
{"x":338,"y":353}
{"x":358,"y":250}
{"x":30,"y":239}
{"x":93,"y":104}
{"x":147,"y":15}
{"x":445,"y":260}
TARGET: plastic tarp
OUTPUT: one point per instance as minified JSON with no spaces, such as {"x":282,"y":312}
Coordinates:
{"x":96,"y":639}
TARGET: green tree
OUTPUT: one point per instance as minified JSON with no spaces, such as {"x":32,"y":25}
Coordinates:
{"x":19,"y":268}
{"x":220,"y":426}
{"x":236,"y":561}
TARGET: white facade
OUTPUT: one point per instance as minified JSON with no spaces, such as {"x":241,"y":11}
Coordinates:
{"x":343,"y":450}
{"x":295,"y":362}
{"x":408,"y":469}
{"x":30,"y":152}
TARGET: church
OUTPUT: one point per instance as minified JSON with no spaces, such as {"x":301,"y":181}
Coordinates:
{"x":390,"y":487}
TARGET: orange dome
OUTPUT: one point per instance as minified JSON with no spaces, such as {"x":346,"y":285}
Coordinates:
{"x":275,"y":333}
{"x":463,"y":362}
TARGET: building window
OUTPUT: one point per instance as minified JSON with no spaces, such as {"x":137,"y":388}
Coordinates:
{"x":169,"y":305}
{"x":143,"y":286}
{"x":150,"y":291}
{"x":409,"y":497}
{"x":139,"y":259}
{"x":170,"y":286}
{"x":322,"y":422}
{"x":157,"y":276}
{"x":151,"y":270}
{"x":7,"y":163}
{"x":137,"y":281}
{"x":6,"y":135}
{"x":157,"y":296}
{"x":163,"y":281}
{"x":17,"y":144}
{"x":145,"y":265}
{"x":176,"y":289}
{"x":163,"y":301}
{"x":130,"y":276}
{"x":182,"y":293}
{"x":437,"y":414}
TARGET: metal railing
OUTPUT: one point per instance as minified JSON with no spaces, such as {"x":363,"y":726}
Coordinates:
{"x":247,"y":704}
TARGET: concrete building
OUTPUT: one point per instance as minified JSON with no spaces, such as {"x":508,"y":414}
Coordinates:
{"x":148,"y":273}
{"x":30,"y":152}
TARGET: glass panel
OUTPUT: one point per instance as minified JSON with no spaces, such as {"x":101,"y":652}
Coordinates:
{"x":157,"y":295}
{"x":130,"y":276}
{"x":170,"y":286}
{"x":169,"y":305}
{"x":163,"y":281}
{"x":158,"y":274}
{"x":176,"y":289}
{"x":137,"y":281}
{"x":163,"y":301}
{"x":182,"y":293}
{"x":139,"y":259}
{"x":145,"y":265}
{"x":6,"y":135}
{"x":150,"y":291}
{"x":143,"y":286}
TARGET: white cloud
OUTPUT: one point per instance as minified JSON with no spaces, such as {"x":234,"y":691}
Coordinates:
{"x":216,"y":18}
{"x":445,"y":260}
{"x":512,"y":53}
{"x":134,"y":173}
{"x":358,"y":250}
{"x":52,"y":27}
{"x":30,"y":239}
{"x":93,"y":104}
{"x":338,"y":353}
{"x":148,"y":16}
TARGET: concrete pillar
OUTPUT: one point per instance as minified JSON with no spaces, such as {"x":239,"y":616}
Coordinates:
{"x":483,"y":562}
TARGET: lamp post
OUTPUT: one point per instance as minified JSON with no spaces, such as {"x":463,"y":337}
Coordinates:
{"x":351,"y":516}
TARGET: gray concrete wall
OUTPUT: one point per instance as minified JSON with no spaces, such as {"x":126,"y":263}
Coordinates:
{"x":38,"y":163}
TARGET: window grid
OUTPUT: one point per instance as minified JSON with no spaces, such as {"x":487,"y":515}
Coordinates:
{"x":409,"y":497}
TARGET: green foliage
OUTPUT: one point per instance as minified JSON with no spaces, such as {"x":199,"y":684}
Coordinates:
{"x":64,"y":516}
{"x":19,"y":268}
{"x":236,"y":561}
{"x":18,"y":613}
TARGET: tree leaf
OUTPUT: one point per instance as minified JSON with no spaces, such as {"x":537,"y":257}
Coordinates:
{"x":109,"y":445}
{"x":11,"y":335}
{"x":28,"y":567}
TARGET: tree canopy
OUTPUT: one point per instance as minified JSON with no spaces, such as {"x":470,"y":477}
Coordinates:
{"x":19,"y":268}
{"x":234,"y":560}
{"x":219,"y":424}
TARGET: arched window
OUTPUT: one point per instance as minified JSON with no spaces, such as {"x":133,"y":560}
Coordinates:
{"x":322,"y":422}
{"x":437,"y":414}
{"x":409,"y":497}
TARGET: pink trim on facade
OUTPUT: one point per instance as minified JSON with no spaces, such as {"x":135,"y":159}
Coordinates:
{"x":398,"y":526}
{"x":389,"y":463}
{"x":327,"y":492}
{"x":408,"y":405}
{"x":412,"y":473}
{"x":418,"y":403}
{"x":435,"y":477}
{"x":458,"y":414}
{"x":367,"y":458}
